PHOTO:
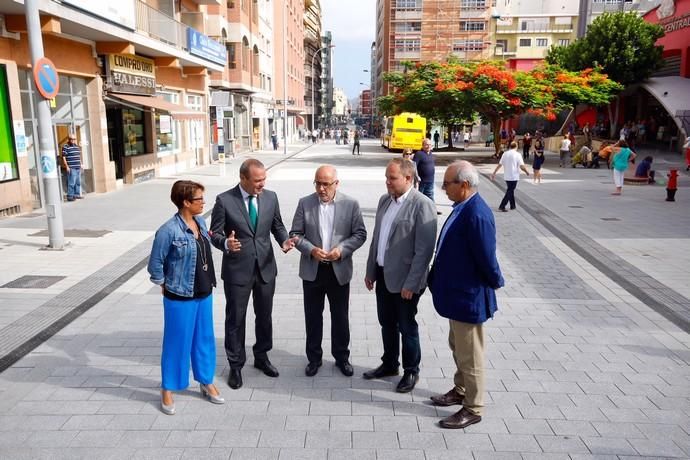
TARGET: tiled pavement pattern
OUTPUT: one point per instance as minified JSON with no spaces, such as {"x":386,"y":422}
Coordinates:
{"x":577,"y":368}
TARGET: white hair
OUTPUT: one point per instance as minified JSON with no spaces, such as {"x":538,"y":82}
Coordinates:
{"x":466,"y":172}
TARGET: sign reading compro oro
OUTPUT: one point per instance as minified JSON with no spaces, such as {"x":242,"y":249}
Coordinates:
{"x":131,"y":74}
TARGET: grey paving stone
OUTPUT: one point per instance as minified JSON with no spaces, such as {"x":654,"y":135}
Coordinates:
{"x":657,"y":448}
{"x":17,"y":439}
{"x":514,"y":443}
{"x":197,"y":438}
{"x":584,"y":413}
{"x":234,"y":438}
{"x":330,"y":408}
{"x":263,"y":422}
{"x":223,"y":421}
{"x":351,"y":454}
{"x":572,"y":428}
{"x":396,"y":423}
{"x":395,"y":454}
{"x":97,"y":438}
{"x":206,"y":454}
{"x":375,"y":440}
{"x":143,"y":439}
{"x":303,"y":454}
{"x":491,"y":455}
{"x":540,"y":412}
{"x":329,"y":440}
{"x":522,"y":426}
{"x":609,"y":446}
{"x":288,"y":407}
{"x":352,"y":423}
{"x":176,"y":422}
{"x":425,"y":440}
{"x":157,"y":453}
{"x":282,"y":439}
{"x":243,"y":453}
{"x":564,"y":444}
{"x":460,"y":440}
{"x":618,"y":430}
{"x":307,"y":422}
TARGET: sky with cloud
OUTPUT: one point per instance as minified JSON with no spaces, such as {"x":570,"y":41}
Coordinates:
{"x":353,"y":26}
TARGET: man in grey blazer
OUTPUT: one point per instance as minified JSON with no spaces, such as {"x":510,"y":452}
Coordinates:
{"x":398,"y":263}
{"x":242,"y":222}
{"x":329,"y":228}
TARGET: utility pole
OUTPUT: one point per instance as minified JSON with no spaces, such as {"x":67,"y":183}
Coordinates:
{"x":285,"y":79}
{"x":46,"y":144}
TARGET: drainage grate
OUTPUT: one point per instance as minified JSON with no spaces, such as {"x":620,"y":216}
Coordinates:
{"x":77,"y":233}
{"x":33,"y":282}
{"x":611,"y":219}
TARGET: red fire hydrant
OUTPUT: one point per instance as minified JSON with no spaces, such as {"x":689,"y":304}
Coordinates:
{"x":672,"y":185}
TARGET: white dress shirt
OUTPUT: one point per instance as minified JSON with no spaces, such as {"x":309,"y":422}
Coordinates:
{"x":326,"y":219}
{"x":245,"y":198}
{"x":386,"y":224}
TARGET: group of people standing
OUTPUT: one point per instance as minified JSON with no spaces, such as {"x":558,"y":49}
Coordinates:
{"x":327,"y":229}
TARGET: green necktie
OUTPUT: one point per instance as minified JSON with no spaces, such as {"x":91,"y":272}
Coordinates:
{"x":253,"y":215}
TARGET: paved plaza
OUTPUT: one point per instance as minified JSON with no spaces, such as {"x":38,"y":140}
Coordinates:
{"x":588,"y":356}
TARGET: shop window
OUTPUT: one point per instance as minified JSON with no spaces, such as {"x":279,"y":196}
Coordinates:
{"x":133,"y":130}
{"x":195,"y":127}
{"x":8,"y":153}
{"x":167,"y":129}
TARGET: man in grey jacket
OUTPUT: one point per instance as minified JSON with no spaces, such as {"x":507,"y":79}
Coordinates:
{"x":329,"y":227}
{"x":398,"y":263}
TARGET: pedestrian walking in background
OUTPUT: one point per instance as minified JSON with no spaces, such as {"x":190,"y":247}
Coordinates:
{"x":426,"y":168}
{"x":329,"y":228}
{"x":463,"y":279}
{"x":401,"y":249}
{"x":437,"y":138}
{"x":511,"y":162}
{"x":242,"y":222}
{"x":274,"y":140}
{"x":564,"y":151}
{"x":355,"y":142}
{"x":182,"y":265}
{"x":408,"y":155}
{"x":537,"y":163}
{"x":72,"y":164}
{"x":526,"y":145}
{"x":619,"y":163}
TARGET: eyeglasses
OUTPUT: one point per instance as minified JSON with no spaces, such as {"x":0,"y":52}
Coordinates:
{"x":200,"y":198}
{"x":446,"y":184}
{"x":318,"y":184}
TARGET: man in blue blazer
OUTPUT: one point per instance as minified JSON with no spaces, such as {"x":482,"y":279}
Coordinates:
{"x":462,"y":281}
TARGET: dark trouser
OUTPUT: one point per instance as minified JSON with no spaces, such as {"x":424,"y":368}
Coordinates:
{"x":510,"y":194}
{"x":397,"y":318}
{"x":427,"y":188}
{"x":525,"y":152}
{"x":326,"y":285}
{"x":237,"y":299}
{"x":355,"y":145}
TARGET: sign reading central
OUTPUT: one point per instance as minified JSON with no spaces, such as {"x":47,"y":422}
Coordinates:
{"x":131,"y":74}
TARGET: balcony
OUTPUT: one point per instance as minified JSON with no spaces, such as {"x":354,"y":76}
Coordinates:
{"x":160,"y":26}
{"x":551,"y":29}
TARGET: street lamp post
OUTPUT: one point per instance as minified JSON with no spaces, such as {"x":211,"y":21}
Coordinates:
{"x":313,"y":107}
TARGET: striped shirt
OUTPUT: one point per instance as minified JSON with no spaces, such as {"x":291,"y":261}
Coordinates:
{"x":72,"y":154}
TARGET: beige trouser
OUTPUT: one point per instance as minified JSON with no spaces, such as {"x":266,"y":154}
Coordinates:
{"x":467,"y":344}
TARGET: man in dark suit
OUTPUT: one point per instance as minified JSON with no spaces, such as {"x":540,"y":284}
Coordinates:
{"x":398,"y":263}
{"x":242,"y":221}
{"x":330,"y":228}
{"x":462,"y":281}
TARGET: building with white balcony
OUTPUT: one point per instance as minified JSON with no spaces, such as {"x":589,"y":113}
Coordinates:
{"x":132,"y":88}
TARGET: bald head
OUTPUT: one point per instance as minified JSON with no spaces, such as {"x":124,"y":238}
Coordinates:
{"x":326,"y":182}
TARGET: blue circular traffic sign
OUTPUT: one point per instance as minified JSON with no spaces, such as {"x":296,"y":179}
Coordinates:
{"x":46,"y":78}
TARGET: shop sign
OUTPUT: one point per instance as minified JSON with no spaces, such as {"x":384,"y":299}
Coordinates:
{"x":121,"y":12}
{"x":165,"y":124}
{"x":205,"y":47}
{"x":676,"y":23}
{"x":259,"y":110}
{"x":131,"y":74}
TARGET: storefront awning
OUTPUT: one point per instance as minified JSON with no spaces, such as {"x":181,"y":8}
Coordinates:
{"x":673,"y":93}
{"x":178,"y":112}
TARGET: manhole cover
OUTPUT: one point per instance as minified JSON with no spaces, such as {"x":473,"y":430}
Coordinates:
{"x":611,"y":219}
{"x":33,"y":282}
{"x":77,"y":233}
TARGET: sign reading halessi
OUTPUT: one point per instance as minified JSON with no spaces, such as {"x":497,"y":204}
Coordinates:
{"x":205,"y":47}
{"x":131,"y":74}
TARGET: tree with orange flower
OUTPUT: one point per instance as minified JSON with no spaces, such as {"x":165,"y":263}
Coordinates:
{"x":458,"y":90}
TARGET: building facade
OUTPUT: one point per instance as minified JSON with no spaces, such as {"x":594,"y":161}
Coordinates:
{"x":327,"y":46}
{"x":590,"y":9}
{"x":132,"y":89}
{"x":312,"y":61}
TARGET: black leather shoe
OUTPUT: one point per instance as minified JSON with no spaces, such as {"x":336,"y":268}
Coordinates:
{"x":312,"y":368}
{"x":407,"y":383}
{"x":449,"y":399}
{"x":266,"y":367}
{"x":235,"y":379}
{"x":461,"y":419}
{"x":345,"y":367}
{"x":380,"y":372}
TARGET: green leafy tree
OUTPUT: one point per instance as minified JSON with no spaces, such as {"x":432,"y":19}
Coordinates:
{"x":454,"y":90}
{"x":622,"y":44}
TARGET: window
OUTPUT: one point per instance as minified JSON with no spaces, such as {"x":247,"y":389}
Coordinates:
{"x":232,"y":55}
{"x":402,"y":27}
{"x":8,"y":152}
{"x":408,"y":5}
{"x":542,"y":42}
{"x":245,"y":53}
{"x":167,"y":129}
{"x":408,"y":44}
{"x":563,"y":42}
{"x":133,"y":131}
{"x":472,"y":26}
{"x":468,"y":45}
{"x":196,"y":127}
{"x":534,"y":24}
{"x":255,"y":60}
{"x":473,"y":4}
{"x":525,"y":42}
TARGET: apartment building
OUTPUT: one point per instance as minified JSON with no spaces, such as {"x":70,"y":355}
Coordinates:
{"x":524,"y":30}
{"x":132,"y":88}
{"x":312,"y":61}
{"x":327,"y":46}
{"x":429,"y":30}
{"x":340,"y":106}
{"x":590,"y":9}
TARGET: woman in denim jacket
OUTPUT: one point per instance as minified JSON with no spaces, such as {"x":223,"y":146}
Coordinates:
{"x":182,"y":265}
